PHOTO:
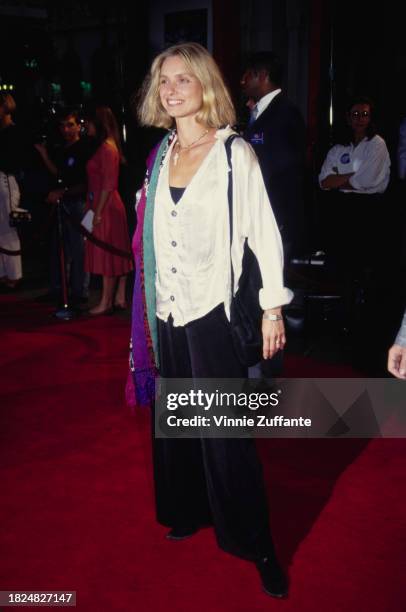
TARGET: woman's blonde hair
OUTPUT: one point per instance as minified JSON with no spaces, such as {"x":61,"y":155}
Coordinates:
{"x":8,"y":103}
{"x":217,"y":108}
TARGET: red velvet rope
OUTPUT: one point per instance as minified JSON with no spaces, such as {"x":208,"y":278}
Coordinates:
{"x":100,"y":243}
{"x":77,"y":225}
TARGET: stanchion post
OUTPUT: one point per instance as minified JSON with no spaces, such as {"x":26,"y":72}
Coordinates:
{"x":65,"y":313}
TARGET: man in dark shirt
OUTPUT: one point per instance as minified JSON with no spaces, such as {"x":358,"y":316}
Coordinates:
{"x":68,"y":164}
{"x":276,"y":131}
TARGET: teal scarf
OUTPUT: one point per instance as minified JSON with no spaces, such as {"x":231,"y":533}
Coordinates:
{"x":148,"y":244}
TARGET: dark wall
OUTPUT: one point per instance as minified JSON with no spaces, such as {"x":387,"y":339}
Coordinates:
{"x":370,"y":58}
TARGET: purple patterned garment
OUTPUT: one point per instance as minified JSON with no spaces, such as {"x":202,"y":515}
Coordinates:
{"x":141,"y":380}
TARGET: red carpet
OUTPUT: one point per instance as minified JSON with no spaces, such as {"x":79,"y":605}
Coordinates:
{"x":77,"y":499}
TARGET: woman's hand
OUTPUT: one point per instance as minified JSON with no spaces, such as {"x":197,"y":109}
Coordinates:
{"x":273,"y":335}
{"x":99,"y":206}
{"x":397,"y":361}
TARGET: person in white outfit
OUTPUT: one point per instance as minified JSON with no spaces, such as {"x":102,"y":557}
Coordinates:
{"x":355,"y":173}
{"x":10,"y":265}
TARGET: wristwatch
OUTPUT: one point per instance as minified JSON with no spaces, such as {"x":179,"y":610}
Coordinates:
{"x":272,"y":317}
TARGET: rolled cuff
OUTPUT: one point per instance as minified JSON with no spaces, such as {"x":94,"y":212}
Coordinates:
{"x":401,"y":337}
{"x":269,"y":298}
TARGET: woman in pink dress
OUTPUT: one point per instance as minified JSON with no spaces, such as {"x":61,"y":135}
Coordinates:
{"x":110,"y":220}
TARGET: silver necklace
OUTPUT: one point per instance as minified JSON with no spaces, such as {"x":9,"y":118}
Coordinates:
{"x":186,"y":147}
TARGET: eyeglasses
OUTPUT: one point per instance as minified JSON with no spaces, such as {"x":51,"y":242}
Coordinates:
{"x":357,"y":114}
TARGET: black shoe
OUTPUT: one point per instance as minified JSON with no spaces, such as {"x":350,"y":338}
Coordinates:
{"x":181,"y":533}
{"x":274,"y":581}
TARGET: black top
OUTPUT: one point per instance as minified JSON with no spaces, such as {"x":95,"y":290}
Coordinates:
{"x":11,"y":150}
{"x":176,"y":193}
{"x":278,"y":139}
{"x":71,"y":162}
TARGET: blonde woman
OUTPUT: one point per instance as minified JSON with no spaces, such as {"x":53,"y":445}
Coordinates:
{"x":182,"y":290}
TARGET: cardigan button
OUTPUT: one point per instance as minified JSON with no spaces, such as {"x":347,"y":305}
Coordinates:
{"x":174,"y":213}
{"x":172,"y":298}
{"x":173,"y":270}
{"x":174,"y":243}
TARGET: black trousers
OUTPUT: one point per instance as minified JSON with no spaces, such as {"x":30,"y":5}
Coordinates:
{"x":210,"y":481}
